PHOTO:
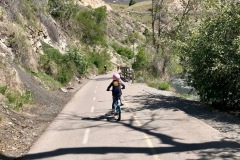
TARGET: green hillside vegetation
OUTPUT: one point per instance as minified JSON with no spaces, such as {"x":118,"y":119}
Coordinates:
{"x":202,"y":47}
{"x":213,"y":58}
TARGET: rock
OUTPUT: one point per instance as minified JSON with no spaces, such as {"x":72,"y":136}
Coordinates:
{"x":64,"y":90}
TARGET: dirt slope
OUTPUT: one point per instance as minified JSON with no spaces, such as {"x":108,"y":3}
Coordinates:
{"x":18,"y":130}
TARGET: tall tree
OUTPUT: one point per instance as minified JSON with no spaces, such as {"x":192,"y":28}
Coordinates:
{"x":165,"y":26}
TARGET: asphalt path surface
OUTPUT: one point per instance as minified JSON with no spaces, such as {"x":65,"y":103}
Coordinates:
{"x":81,"y":132}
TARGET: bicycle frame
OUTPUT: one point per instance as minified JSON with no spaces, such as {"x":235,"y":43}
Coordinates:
{"x":117,"y":112}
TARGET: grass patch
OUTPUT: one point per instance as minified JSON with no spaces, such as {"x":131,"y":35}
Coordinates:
{"x":159,"y":84}
{"x":164,"y":86}
{"x":15,"y":99}
{"x":48,"y":81}
{"x":190,"y":97}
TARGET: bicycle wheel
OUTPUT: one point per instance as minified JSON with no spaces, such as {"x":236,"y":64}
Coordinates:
{"x":117,"y":114}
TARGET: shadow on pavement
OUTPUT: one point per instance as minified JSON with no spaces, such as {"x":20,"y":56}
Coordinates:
{"x":222,"y":149}
{"x":207,"y":150}
{"x":4,"y":157}
{"x":193,"y":108}
{"x":129,"y":150}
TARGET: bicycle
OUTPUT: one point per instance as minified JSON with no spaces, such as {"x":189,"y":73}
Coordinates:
{"x":116,"y":114}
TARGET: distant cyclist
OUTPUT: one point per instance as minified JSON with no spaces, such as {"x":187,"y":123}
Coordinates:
{"x":105,"y":69}
{"x":117,"y":87}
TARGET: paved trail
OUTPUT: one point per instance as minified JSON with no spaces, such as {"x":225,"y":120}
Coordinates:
{"x":151,"y":128}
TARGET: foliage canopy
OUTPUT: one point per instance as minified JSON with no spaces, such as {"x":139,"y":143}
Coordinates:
{"x":214,"y":58}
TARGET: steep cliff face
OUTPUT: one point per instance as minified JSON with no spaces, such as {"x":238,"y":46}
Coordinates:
{"x":23,"y":27}
{"x":21,"y":37}
{"x":8,"y":76}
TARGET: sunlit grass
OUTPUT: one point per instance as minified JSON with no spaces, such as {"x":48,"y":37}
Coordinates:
{"x":159,"y":84}
{"x":48,"y":81}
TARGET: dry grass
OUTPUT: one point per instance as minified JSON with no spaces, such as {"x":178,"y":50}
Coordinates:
{"x":116,"y":6}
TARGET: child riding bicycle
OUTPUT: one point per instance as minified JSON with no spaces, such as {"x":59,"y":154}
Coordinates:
{"x":117,"y":87}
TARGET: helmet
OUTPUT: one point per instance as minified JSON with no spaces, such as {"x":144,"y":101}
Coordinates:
{"x":116,"y":76}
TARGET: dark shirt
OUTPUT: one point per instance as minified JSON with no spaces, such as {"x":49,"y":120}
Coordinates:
{"x":116,"y":88}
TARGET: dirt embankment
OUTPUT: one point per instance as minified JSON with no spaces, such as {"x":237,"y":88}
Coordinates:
{"x":18,"y":130}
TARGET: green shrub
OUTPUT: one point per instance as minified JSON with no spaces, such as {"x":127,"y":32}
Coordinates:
{"x":87,"y":24}
{"x":141,"y":60}
{"x":99,"y":59}
{"x":214,"y":58}
{"x":90,"y":25}
{"x":124,"y":51}
{"x":164,"y":86}
{"x":63,"y":67}
{"x":62,"y":10}
{"x":53,"y":64}
{"x":78,"y":58}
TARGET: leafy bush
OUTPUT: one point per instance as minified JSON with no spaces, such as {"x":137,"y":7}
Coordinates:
{"x":142,"y":60}
{"x":87,"y":24}
{"x":124,"y":51}
{"x":91,"y":25}
{"x":99,"y":59}
{"x":63,"y":67}
{"x":214,"y":58}
{"x":62,"y":10}
{"x":79,"y":59}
